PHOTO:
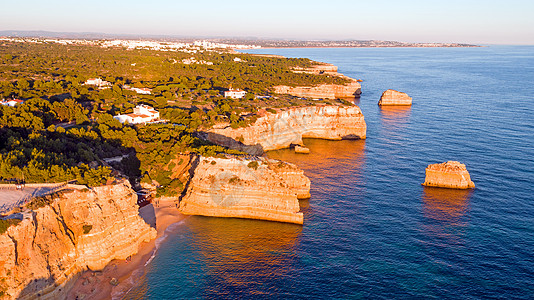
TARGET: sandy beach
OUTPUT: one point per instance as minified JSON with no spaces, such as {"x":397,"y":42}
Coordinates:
{"x":119,"y":276}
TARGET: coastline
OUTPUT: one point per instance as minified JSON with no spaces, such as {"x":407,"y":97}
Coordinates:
{"x":96,"y":284}
{"x":333,"y":47}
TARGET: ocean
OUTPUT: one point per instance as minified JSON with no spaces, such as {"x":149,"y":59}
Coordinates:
{"x":370,"y":229}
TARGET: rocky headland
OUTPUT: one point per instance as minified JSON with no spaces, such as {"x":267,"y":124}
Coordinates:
{"x":78,"y":230}
{"x":254,"y":188}
{"x":451,"y":174}
{"x":319,"y":69}
{"x":392,"y":97}
{"x":322,"y":91}
{"x":68,"y":237}
{"x":279,"y":130}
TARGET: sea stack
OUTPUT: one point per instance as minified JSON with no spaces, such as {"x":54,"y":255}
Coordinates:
{"x":451,"y":174}
{"x":392,"y":97}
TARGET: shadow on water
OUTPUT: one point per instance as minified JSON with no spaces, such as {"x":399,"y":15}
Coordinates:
{"x":334,"y":168}
{"x":445,"y":211}
{"x":326,"y":157}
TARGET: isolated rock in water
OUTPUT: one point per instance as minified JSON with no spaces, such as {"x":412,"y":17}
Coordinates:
{"x":301,"y":149}
{"x":451,"y":174}
{"x":256,"y":188}
{"x":392,"y":97}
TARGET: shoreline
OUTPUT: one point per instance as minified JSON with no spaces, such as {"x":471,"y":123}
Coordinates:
{"x":333,"y":47}
{"x":119,"y":277}
{"x":124,"y":274}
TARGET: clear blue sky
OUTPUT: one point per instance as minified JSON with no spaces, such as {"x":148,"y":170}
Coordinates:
{"x":469,"y":21}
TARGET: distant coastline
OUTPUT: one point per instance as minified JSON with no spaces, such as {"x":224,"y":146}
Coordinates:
{"x":409,"y":46}
{"x":254,"y":42}
{"x":344,"y":44}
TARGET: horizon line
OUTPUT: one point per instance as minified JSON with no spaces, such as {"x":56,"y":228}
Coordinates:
{"x":35,"y":33}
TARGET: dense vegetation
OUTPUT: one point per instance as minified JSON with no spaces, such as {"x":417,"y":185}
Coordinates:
{"x":68,"y":65}
{"x":34,"y":148}
{"x":65,"y":130}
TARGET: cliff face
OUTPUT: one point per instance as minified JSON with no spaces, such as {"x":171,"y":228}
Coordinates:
{"x":79,"y":230}
{"x":392,"y":97}
{"x":318,"y":68}
{"x":256,"y":189}
{"x":327,"y":91}
{"x":451,"y":174}
{"x":286,"y":127}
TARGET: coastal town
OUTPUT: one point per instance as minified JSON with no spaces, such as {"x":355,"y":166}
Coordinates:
{"x":187,"y":47}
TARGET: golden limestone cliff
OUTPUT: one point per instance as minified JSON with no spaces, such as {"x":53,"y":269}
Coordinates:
{"x":318,"y":69}
{"x":78,"y":230}
{"x":286,"y":127}
{"x":451,"y":174}
{"x":327,"y":91}
{"x":256,"y":188}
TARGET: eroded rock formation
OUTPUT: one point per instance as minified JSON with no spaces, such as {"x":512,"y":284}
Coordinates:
{"x":257,"y":188}
{"x":318,"y":68}
{"x":279,"y":130}
{"x":451,"y":174}
{"x":326,"y":91}
{"x":79,"y":230}
{"x":392,"y":97}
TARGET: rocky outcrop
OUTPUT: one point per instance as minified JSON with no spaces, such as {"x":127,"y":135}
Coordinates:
{"x":451,"y":174}
{"x":78,"y":230}
{"x":301,"y":149}
{"x":279,"y":130}
{"x":392,"y":97}
{"x":257,"y":188}
{"x":318,"y":69}
{"x":326,"y":91}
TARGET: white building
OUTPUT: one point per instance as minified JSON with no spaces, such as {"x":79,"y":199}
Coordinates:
{"x":144,"y":91}
{"x":142,"y":114}
{"x":97,"y":81}
{"x":11,"y":102}
{"x":235,"y":94}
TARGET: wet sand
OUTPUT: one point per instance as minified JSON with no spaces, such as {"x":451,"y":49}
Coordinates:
{"x":119,"y":276}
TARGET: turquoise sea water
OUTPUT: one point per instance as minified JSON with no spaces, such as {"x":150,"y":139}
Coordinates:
{"x":370,"y":229}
